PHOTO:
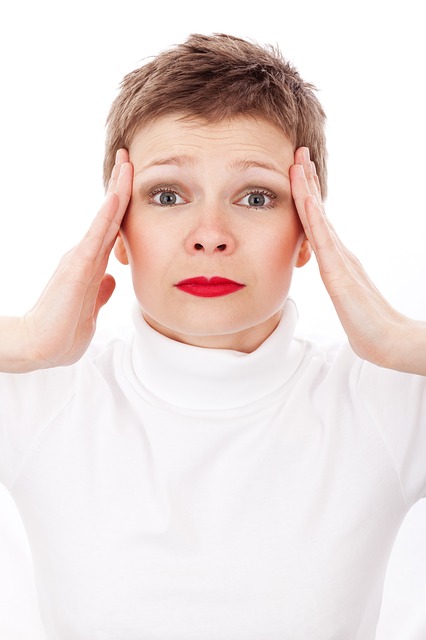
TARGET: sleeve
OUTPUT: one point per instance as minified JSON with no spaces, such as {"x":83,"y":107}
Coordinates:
{"x":28,"y":404}
{"x":396,"y":403}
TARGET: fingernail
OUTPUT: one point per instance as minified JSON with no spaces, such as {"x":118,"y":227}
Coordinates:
{"x":118,"y":156}
{"x":299,"y":170}
{"x":306,"y":156}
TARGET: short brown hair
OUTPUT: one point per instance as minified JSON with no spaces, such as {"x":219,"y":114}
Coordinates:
{"x":214,"y":78}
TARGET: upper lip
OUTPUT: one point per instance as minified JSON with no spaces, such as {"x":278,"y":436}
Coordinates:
{"x":206,"y":281}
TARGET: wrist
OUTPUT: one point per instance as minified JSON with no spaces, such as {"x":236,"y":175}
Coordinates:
{"x":407,"y":351}
{"x":17,"y":354}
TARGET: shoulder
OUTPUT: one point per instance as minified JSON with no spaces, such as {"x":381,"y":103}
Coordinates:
{"x":45,"y":392}
{"x":336,"y":368}
{"x":31,"y":402}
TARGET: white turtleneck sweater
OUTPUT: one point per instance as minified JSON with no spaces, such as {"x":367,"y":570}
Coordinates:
{"x":171,"y":492}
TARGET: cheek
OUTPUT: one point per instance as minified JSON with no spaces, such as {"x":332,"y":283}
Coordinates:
{"x":281,"y":248}
{"x":152,"y":254}
{"x":146,"y":255}
{"x":141,"y":237}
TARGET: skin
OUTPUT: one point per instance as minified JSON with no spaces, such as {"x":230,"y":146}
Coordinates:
{"x":59,"y":328}
{"x":211,"y":231}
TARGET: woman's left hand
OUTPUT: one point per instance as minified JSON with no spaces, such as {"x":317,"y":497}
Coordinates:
{"x":376,"y":331}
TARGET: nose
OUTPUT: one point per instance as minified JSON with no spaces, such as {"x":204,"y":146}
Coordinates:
{"x":211,"y":234}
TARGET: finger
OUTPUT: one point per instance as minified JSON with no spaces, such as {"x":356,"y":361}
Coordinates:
{"x":316,"y":179}
{"x":114,"y":173}
{"x":104,"y":229}
{"x":114,"y":205}
{"x":121,"y":157}
{"x":298,"y":155}
{"x":87,"y":262}
{"x":329,"y":251}
{"x":320,"y":233}
{"x":123,"y":191}
{"x":300,"y":192}
{"x":124,"y":186}
{"x":302,"y":156}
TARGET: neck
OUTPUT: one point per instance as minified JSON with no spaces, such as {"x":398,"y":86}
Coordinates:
{"x":245,"y":341}
{"x":190,"y":377}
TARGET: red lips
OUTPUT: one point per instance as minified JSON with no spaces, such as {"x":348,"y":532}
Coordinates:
{"x":209,"y":287}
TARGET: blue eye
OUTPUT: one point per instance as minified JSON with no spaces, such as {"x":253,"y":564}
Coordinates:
{"x":257,"y":200}
{"x":166,"y":198}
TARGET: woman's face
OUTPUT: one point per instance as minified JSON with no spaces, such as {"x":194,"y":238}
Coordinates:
{"x":212,"y":201}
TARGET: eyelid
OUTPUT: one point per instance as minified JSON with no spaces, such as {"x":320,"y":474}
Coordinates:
{"x":165,"y":186}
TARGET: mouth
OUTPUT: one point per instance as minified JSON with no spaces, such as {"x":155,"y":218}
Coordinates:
{"x":209,"y":287}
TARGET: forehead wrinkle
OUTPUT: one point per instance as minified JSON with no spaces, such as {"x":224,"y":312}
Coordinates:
{"x":185,"y":160}
{"x":241,"y":164}
{"x":182,"y":160}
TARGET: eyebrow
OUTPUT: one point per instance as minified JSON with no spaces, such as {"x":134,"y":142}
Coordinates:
{"x":243,"y":165}
{"x":240,"y":164}
{"x":178,"y":161}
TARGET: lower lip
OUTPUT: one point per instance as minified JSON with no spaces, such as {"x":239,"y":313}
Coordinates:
{"x":210,"y":290}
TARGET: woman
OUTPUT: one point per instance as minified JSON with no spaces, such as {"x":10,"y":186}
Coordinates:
{"x":210,"y":475}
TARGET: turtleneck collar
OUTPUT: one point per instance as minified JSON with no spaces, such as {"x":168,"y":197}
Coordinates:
{"x":197,"y":378}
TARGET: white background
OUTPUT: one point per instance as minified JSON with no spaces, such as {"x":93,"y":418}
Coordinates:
{"x":60,"y":69}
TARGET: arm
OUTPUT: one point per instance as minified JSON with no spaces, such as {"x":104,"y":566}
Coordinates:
{"x":376,"y":331}
{"x":59,"y":328}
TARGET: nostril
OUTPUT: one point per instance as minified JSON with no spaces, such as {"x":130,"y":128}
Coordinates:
{"x":198,"y":246}
{"x":221,"y":247}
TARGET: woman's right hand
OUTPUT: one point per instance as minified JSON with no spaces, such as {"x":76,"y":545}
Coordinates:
{"x":59,"y":328}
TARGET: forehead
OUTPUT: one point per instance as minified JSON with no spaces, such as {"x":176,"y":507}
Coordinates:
{"x":241,"y":139}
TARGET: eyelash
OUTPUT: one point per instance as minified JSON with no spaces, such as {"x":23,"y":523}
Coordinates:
{"x":165,"y":189}
{"x":263,"y":192}
{"x":260,"y":192}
